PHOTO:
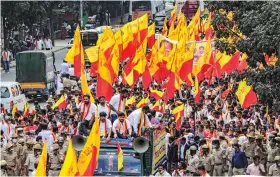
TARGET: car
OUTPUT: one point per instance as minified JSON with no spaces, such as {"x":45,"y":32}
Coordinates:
{"x":159,"y":21}
{"x":11,"y":94}
{"x":70,"y":43}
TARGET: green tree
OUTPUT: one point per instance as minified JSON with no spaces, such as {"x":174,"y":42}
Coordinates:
{"x":259,"y":22}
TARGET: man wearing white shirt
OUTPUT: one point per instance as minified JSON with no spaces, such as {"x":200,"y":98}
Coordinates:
{"x":46,"y":136}
{"x":48,"y":43}
{"x":105,"y":126}
{"x":102,"y":106}
{"x":38,"y":43}
{"x":121,"y":127}
{"x":138,"y":118}
{"x":88,"y":110}
{"x":117,"y":104}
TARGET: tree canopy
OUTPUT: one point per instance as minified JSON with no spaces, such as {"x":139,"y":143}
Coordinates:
{"x":254,"y":30}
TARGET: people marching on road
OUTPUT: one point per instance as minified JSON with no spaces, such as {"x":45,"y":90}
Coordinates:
{"x":209,"y":132}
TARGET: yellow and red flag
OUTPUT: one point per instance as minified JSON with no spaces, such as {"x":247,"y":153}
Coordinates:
{"x":187,"y":63}
{"x":14,"y":110}
{"x":143,"y":102}
{"x":74,"y":55}
{"x":178,"y":113}
{"x":228,"y":63}
{"x":165,"y":28}
{"x":142,"y":28}
{"x":246,"y":95}
{"x":128,"y":48}
{"x":42,"y":164}
{"x":151,"y":35}
{"x":158,"y":107}
{"x":173,"y":14}
{"x":156,"y":94}
{"x":89,"y":155}
{"x":194,"y":27}
{"x":131,"y":101}
{"x":61,"y":103}
{"x":26,"y":109}
{"x":69,"y":167}
{"x":208,"y":29}
{"x":146,"y":78}
{"x":120,"y":158}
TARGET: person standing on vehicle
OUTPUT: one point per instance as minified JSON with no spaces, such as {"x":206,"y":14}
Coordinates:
{"x":6,"y":59}
{"x":48,"y":43}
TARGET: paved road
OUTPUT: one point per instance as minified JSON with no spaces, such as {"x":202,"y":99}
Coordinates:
{"x":11,"y":76}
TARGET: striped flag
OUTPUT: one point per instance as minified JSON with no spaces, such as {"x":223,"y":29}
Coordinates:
{"x":120,"y":158}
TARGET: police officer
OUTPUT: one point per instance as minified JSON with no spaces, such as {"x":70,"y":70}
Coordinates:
{"x":55,"y":161}
{"x":249,"y":147}
{"x":207,"y":159}
{"x":32,"y":159}
{"x":274,"y":170}
{"x":62,"y":148}
{"x":3,"y":170}
{"x":192,"y":158}
{"x":219,"y":155}
{"x":229,"y":152}
{"x":11,"y":159}
{"x":272,"y":152}
{"x":21,"y":158}
{"x":260,"y":149}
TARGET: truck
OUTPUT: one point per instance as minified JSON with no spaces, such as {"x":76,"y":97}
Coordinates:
{"x":36,"y":73}
{"x":135,"y":164}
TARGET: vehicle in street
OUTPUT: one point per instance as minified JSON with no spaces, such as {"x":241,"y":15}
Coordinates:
{"x":35,"y":72}
{"x":135,"y":164}
{"x":70,"y":43}
{"x":159,"y":21}
{"x":11,"y":94}
{"x":138,"y":8}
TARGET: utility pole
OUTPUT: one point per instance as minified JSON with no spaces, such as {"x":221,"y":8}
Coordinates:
{"x":81,"y":13}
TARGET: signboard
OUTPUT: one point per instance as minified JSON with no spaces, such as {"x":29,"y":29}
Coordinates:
{"x":136,"y":14}
{"x":159,"y":151}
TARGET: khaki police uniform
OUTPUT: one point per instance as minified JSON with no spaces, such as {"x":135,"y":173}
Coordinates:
{"x":55,"y":162}
{"x":11,"y":158}
{"x":31,"y":160}
{"x":219,"y":160}
{"x":207,"y":161}
{"x":192,"y":160}
{"x":272,"y":153}
{"x":261,"y":152}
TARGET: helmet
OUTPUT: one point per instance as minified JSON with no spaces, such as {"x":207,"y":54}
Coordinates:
{"x":38,"y":146}
{"x":3,"y":162}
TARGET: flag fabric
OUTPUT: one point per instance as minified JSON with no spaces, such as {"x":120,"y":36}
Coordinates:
{"x":197,"y":90}
{"x":156,"y":94}
{"x":69,"y":167}
{"x":178,"y":113}
{"x":74,"y":55}
{"x":34,"y":118}
{"x":128,"y":48}
{"x":143,"y":102}
{"x":89,"y":155}
{"x":173,"y":14}
{"x":151,"y":35}
{"x":130,"y":101}
{"x":187,"y":63}
{"x":228,"y":63}
{"x":146,"y":78}
{"x":246,"y":95}
{"x":92,"y":55}
{"x":14,"y":110}
{"x":243,"y":63}
{"x":26,"y":109}
{"x":164,"y":28}
{"x":84,"y":86}
{"x":194,"y":26}
{"x":61,"y":103}
{"x":158,"y":107}
{"x":42,"y":164}
{"x":142,"y":28}
{"x":120,"y":158}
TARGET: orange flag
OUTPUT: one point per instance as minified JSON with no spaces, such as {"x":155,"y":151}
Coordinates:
{"x":243,"y":63}
{"x":84,"y":86}
{"x":74,"y":55}
{"x":42,"y":165}
{"x":26,"y":109}
{"x":143,"y":102}
{"x":156,"y":94}
{"x":89,"y":155}
{"x":246,"y":95}
{"x":197,"y":90}
{"x":69,"y":167}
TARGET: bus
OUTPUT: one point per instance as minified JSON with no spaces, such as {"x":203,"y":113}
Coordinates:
{"x":153,"y":8}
